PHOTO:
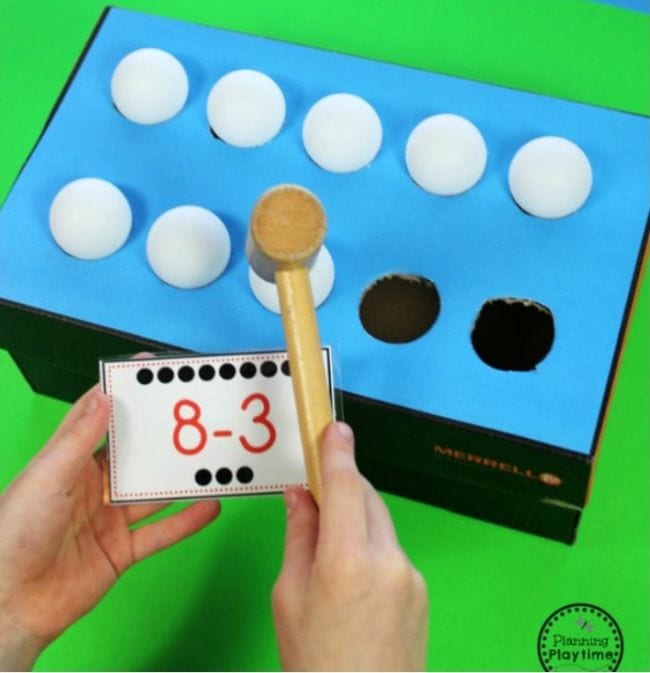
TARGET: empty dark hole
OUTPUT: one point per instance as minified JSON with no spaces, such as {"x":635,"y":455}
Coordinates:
{"x":399,"y":308}
{"x":513,"y":334}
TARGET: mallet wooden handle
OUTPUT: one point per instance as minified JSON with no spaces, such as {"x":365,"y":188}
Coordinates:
{"x":288,"y":225}
{"x":306,"y":362}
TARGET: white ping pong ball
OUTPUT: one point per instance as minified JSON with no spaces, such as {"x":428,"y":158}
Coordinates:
{"x":90,"y":218}
{"x":446,"y":154}
{"x":246,"y":108}
{"x":149,"y":86}
{"x":188,"y":247}
{"x":342,"y":133}
{"x":321,"y":279}
{"x":550,"y":177}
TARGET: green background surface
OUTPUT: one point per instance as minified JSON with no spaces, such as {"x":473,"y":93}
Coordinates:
{"x":205,"y":604}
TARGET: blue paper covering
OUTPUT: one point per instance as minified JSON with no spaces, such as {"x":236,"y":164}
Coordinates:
{"x":475,"y":246}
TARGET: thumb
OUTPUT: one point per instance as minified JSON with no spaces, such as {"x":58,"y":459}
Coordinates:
{"x":67,"y":452}
{"x":301,"y":535}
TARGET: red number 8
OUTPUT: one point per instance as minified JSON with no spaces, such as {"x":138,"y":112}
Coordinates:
{"x":192,"y":421}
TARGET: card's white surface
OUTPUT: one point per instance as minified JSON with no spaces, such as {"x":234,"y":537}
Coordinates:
{"x":246,"y":427}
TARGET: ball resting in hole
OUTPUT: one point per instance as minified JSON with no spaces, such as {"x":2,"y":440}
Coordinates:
{"x":90,"y":218}
{"x":149,"y":86}
{"x":550,"y":177}
{"x":246,"y":108}
{"x":446,"y":154}
{"x":321,"y":277}
{"x":188,"y":247}
{"x":342,"y":133}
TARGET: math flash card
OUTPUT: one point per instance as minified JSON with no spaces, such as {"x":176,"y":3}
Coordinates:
{"x":202,"y":426}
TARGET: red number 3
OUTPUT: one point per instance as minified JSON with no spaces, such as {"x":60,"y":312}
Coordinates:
{"x":262,"y":419}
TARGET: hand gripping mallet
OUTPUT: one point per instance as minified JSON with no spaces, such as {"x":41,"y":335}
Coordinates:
{"x":286,"y":232}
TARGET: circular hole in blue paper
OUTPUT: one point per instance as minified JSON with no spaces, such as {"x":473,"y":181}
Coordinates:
{"x":513,"y":334}
{"x":398,"y":308}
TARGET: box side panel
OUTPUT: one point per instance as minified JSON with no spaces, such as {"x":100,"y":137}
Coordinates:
{"x":506,"y":509}
{"x":64,"y":343}
{"x":397,"y":438}
{"x":46,"y":378}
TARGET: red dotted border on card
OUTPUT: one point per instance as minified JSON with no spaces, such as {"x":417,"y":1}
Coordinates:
{"x":161,"y":362}
{"x":211,"y":491}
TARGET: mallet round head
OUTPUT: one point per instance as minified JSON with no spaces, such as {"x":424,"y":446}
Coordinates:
{"x":287,"y":229}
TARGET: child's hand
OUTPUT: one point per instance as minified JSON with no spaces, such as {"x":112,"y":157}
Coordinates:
{"x":347,"y":597}
{"x":61,"y":548}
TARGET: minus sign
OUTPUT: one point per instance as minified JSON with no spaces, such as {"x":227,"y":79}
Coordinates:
{"x":222,"y":433}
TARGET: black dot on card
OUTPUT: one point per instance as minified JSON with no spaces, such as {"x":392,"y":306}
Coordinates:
{"x":186,"y":373}
{"x":269,"y":369}
{"x":165,"y":375}
{"x":245,"y":475}
{"x":206,"y":373}
{"x":223,"y":475}
{"x":226,"y":371}
{"x":248,"y":370}
{"x":203,"y":477}
{"x":144,"y":376}
{"x":285,"y":368}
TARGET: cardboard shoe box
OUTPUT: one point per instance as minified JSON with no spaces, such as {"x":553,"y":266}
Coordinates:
{"x":435,"y":419}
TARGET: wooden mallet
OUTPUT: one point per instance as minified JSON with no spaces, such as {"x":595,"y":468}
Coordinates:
{"x":287,"y":229}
